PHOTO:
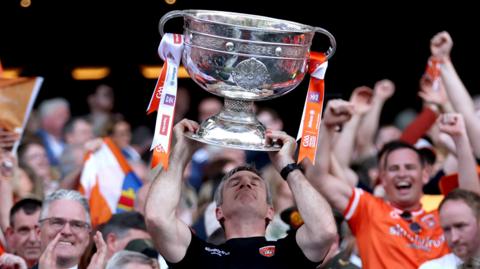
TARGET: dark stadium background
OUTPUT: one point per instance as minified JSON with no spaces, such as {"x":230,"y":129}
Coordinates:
{"x":375,"y":41}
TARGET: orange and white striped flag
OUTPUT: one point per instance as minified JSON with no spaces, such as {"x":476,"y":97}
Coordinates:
{"x":108,"y":182}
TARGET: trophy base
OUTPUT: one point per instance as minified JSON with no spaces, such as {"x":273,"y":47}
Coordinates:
{"x":234,"y":127}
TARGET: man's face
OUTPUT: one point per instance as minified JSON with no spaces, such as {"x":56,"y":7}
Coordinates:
{"x":74,"y":238}
{"x":60,"y":117}
{"x":82,"y":132}
{"x":122,"y":134}
{"x":245,"y":192}
{"x":461,"y":228}
{"x":36,"y":158}
{"x":403,"y":177}
{"x":23,"y":238}
{"x":104,"y":98}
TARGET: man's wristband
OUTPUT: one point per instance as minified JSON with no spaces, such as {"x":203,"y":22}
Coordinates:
{"x":289,"y":168}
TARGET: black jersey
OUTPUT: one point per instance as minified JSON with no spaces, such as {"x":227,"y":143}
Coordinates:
{"x":251,"y":253}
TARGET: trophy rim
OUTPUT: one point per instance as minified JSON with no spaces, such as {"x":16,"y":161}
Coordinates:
{"x":193,"y":13}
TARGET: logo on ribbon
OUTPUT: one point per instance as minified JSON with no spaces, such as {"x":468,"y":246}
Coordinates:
{"x":169,"y":100}
{"x":314,"y":97}
{"x":164,"y":125}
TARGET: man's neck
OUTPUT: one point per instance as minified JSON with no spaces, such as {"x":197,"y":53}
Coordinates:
{"x":403,"y":207}
{"x":66,"y":263}
{"x":31,"y":263}
{"x":243,"y":227}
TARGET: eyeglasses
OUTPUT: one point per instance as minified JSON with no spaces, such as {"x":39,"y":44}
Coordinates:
{"x":57,"y":224}
{"x":414,"y":226}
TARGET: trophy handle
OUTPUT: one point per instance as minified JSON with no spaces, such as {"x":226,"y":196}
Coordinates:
{"x":333,"y":44}
{"x":170,"y":15}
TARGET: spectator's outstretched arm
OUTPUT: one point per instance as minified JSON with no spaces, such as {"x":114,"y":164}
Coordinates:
{"x":336,"y":191}
{"x":7,"y":166}
{"x":454,"y":125}
{"x":433,"y":104}
{"x":345,"y":144}
{"x":382,"y":91}
{"x":345,"y":173}
{"x":440,"y":47}
{"x":319,"y":231}
{"x":170,"y":235}
{"x":8,"y":139}
{"x":434,"y":96}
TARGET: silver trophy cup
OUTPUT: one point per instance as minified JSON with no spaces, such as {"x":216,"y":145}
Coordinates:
{"x":243,"y":58}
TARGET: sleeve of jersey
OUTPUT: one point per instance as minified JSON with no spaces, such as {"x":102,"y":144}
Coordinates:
{"x":191,"y":256}
{"x":292,"y":254}
{"x":359,"y":209}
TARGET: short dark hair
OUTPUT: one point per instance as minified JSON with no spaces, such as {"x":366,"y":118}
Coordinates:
{"x":472,"y":199}
{"x":121,"y":223}
{"x":28,"y":205}
{"x":395,"y":145}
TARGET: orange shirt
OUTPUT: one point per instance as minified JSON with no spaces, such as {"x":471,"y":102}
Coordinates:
{"x":385,"y":240}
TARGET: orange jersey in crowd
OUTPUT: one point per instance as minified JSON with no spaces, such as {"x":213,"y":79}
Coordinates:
{"x":386,"y":240}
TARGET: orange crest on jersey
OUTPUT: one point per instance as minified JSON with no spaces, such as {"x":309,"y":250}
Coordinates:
{"x":267,"y":251}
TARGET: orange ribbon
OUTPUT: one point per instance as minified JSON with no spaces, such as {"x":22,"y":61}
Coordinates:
{"x":157,"y":93}
{"x":312,"y":112}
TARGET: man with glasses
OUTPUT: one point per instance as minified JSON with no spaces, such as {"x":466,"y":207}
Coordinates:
{"x":64,"y":229}
{"x":394,"y":232}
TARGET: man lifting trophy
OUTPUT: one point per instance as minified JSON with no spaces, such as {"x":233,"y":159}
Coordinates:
{"x":242,"y":58}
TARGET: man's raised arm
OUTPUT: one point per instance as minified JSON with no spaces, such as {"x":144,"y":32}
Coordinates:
{"x":171,"y":236}
{"x":336,"y":190}
{"x":440,"y":47}
{"x":454,"y":125}
{"x":318,"y":233}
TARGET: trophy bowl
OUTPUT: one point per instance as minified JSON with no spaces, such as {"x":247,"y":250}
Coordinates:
{"x":243,"y":58}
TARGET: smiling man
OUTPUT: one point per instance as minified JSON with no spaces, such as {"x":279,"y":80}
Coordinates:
{"x":394,"y":232}
{"x":65,"y":214}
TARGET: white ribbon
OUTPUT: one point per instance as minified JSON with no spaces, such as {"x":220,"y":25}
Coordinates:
{"x":170,"y":50}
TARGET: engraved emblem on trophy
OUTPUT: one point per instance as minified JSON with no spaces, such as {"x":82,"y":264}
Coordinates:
{"x":243,"y":58}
